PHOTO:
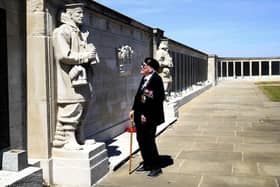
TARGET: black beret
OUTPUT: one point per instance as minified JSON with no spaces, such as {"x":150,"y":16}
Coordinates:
{"x":152,"y":63}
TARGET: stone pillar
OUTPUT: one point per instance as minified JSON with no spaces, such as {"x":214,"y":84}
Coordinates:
{"x":250,"y":68}
{"x":260,"y":68}
{"x":39,"y":86}
{"x":242,"y":69}
{"x":270,"y":68}
{"x":211,"y":68}
{"x":234,"y":71}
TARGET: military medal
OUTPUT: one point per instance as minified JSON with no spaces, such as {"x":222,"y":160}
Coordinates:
{"x":143,"y":98}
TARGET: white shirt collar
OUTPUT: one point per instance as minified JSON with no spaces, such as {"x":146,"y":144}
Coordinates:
{"x":147,"y":78}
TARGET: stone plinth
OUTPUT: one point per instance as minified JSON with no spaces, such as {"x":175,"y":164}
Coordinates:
{"x":170,"y":110}
{"x":81,"y":168}
{"x":14,"y":160}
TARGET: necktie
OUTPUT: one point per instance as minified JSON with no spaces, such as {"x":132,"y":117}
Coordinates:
{"x":143,"y":83}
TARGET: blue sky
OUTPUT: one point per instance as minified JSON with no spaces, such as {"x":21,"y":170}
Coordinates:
{"x":232,"y":28}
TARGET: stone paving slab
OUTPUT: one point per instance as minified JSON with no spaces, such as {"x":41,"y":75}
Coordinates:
{"x":261,"y":157}
{"x":218,"y":132}
{"x":269,"y":169}
{"x":230,"y":139}
{"x":268,"y":148}
{"x":190,"y":138}
{"x":202,"y":146}
{"x":258,"y":133}
{"x":245,"y":169}
{"x":141,"y":180}
{"x":273,"y":139}
{"x":270,"y":128}
{"x":205,"y":168}
{"x":229,"y":136}
{"x":231,"y":181}
{"x":210,"y":156}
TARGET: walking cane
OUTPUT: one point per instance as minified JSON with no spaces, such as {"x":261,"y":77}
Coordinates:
{"x":131,"y":139}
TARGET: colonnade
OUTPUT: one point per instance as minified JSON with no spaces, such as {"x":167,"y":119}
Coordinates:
{"x":187,"y":71}
{"x":248,"y":67}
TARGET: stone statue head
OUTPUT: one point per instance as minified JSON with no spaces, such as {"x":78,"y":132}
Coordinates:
{"x":163,"y":45}
{"x":73,"y":13}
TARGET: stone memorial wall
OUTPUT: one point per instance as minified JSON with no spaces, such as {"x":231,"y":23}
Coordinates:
{"x":31,"y":80}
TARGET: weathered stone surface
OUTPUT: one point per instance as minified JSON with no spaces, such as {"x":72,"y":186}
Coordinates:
{"x":140,"y":180}
{"x":269,"y":169}
{"x":205,"y":168}
{"x":261,"y":157}
{"x":212,"y":147}
{"x":244,"y":169}
{"x":210,"y":156}
{"x":273,"y":139}
{"x":230,"y":139}
{"x":269,"y":148}
{"x":229,"y":181}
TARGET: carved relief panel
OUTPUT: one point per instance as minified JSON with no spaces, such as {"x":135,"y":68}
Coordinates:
{"x":124,"y":59}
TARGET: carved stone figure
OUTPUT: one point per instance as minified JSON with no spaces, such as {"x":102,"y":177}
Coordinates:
{"x":124,"y":58}
{"x":165,"y":61}
{"x":74,"y":57}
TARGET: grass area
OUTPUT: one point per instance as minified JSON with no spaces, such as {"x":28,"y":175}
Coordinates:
{"x":267,"y":82}
{"x":271,"y":89}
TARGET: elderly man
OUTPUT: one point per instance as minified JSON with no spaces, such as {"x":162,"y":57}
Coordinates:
{"x":73,"y":57}
{"x":147,"y":112}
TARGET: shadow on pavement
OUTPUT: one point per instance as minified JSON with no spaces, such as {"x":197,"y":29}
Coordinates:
{"x":165,"y":160}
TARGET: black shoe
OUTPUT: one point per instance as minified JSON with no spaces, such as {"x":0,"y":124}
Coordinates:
{"x":141,"y":169}
{"x":155,"y":172}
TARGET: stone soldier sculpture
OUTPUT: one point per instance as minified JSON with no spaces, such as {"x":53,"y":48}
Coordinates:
{"x":74,"y":57}
{"x":165,"y":62}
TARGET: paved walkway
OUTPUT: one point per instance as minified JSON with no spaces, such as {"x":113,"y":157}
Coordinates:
{"x":229,"y":136}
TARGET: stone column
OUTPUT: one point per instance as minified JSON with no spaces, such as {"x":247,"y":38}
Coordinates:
{"x":242,"y":69}
{"x":260,"y":68}
{"x":270,"y":68}
{"x":211,"y":68}
{"x":234,"y":70}
{"x":39,"y":86}
{"x":250,"y":68}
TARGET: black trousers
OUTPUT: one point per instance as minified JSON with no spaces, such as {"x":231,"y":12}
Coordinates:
{"x":145,"y":135}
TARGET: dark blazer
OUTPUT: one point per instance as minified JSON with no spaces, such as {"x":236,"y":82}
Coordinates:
{"x":152,"y":108}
